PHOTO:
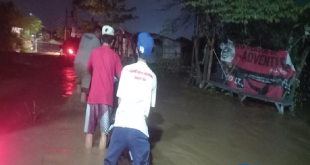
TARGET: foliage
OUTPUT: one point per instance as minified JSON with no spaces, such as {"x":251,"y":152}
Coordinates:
{"x":184,"y":20}
{"x":31,"y":26}
{"x":271,"y":24}
{"x":60,"y":32}
{"x":285,"y":35}
{"x":289,"y":35}
{"x":10,"y":17}
{"x":303,"y":84}
{"x":274,"y":36}
{"x":87,"y":26}
{"x":35,"y":112}
{"x":243,"y":11}
{"x":212,"y":89}
{"x":113,"y":11}
{"x":303,"y":91}
{"x":167,"y":65}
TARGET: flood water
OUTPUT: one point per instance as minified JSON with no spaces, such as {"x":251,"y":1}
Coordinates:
{"x":188,"y":125}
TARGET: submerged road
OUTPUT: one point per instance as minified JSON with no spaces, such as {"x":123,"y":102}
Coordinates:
{"x":41,"y":122}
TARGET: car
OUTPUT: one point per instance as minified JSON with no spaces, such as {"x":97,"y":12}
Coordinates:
{"x":70,"y":46}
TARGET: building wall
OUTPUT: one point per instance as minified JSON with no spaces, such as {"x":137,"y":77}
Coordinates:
{"x":171,"y":49}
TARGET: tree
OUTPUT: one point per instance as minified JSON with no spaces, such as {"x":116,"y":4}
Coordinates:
{"x":113,"y":11}
{"x":243,"y":11}
{"x":284,"y":22}
{"x":212,"y":12}
{"x":88,"y":26}
{"x":10,"y":17}
{"x":31,"y":26}
{"x":60,"y":31}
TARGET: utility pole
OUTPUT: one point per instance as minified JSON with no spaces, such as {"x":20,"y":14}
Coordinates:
{"x":73,"y":19}
{"x":65,"y":33}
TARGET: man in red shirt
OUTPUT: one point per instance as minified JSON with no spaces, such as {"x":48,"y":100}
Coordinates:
{"x":137,"y":93}
{"x":103,"y":64}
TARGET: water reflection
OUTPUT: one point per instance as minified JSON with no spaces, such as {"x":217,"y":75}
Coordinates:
{"x":68,"y":81}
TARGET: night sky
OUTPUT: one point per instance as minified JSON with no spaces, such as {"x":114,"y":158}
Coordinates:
{"x":52,"y":13}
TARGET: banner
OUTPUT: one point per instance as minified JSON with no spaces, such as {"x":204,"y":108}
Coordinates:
{"x":257,"y":71}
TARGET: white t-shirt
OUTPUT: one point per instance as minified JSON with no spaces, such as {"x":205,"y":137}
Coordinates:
{"x":137,"y":90}
{"x":88,"y":43}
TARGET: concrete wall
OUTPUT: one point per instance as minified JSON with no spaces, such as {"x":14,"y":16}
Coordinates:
{"x":171,"y":49}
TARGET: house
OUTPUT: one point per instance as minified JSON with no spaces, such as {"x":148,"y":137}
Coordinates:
{"x":166,"y":47}
{"x":17,"y":30}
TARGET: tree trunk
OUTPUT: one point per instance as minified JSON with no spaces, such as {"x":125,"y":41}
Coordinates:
{"x":211,"y":52}
{"x":299,"y":70}
{"x":205,"y":67}
{"x":196,"y":46}
{"x":193,"y":58}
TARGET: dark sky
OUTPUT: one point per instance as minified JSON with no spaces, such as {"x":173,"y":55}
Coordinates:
{"x":52,"y":13}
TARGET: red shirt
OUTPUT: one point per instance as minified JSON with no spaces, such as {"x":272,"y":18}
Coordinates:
{"x":104,"y":64}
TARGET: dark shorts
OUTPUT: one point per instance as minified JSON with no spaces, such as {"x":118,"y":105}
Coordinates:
{"x":133,"y":140}
{"x":83,"y":77}
{"x":97,"y":113}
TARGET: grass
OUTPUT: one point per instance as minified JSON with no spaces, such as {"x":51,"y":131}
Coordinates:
{"x":35,"y":112}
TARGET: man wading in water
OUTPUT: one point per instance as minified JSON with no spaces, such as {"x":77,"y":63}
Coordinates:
{"x":136,"y":93}
{"x":104,"y":64}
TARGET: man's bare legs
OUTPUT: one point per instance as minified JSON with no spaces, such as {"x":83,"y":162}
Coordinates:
{"x":78,"y":88}
{"x":89,"y":141}
{"x":103,"y":141}
{"x":86,"y":80}
{"x":82,"y":92}
{"x":83,"y":97}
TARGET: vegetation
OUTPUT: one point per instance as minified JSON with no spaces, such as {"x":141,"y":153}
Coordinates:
{"x":31,"y":26}
{"x":11,"y":17}
{"x":113,"y":12}
{"x":271,"y":24}
{"x":243,"y":11}
{"x":60,"y":31}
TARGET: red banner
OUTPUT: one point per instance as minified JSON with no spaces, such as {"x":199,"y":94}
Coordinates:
{"x":261,"y":71}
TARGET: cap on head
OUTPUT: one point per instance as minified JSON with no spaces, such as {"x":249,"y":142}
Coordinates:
{"x":145,"y":44}
{"x":107,"y":30}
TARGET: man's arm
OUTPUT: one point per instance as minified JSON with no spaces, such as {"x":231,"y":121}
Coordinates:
{"x":121,"y":86}
{"x":118,"y":66}
{"x":154,"y":90}
{"x":90,"y":62}
{"x":153,"y":96}
{"x":97,"y":43}
{"x":119,"y":101}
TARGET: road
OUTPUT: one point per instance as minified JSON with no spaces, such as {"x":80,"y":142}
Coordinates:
{"x":47,"y":47}
{"x":41,"y":122}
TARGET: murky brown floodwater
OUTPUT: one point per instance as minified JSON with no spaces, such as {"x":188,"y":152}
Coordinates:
{"x":68,"y":81}
{"x":188,"y":126}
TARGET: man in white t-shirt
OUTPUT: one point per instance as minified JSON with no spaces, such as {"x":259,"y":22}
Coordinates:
{"x":88,"y":43}
{"x":136,"y":93}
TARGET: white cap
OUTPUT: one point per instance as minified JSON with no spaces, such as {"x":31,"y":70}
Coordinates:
{"x":107,"y":30}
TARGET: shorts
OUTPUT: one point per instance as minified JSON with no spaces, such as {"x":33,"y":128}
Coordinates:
{"x":83,"y":77}
{"x":97,"y":113}
{"x":133,"y":140}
